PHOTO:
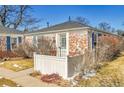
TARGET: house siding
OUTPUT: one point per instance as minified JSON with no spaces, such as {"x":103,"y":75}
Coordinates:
{"x":78,"y":42}
{"x":29,"y":40}
{"x":2,"y":43}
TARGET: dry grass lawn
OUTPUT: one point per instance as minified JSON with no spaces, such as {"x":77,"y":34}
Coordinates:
{"x":17,"y":65}
{"x":7,"y":83}
{"x":110,"y":75}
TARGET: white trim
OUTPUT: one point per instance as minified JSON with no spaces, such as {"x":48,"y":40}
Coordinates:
{"x":56,"y":40}
{"x":11,"y":42}
{"x":56,"y":31}
{"x":63,"y":50}
{"x":57,"y":46}
{"x":17,"y":41}
{"x":12,"y":35}
{"x":36,"y":41}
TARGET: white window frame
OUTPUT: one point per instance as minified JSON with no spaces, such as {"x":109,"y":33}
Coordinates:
{"x":12,"y":42}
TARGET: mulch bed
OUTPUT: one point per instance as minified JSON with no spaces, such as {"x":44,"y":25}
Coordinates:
{"x":7,"y":54}
{"x":52,"y":78}
{"x":55,"y":79}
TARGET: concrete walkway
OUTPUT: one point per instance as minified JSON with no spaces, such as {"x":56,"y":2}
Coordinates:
{"x":22,"y":78}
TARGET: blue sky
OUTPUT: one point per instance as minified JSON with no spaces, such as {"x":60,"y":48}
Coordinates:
{"x":113,"y":15}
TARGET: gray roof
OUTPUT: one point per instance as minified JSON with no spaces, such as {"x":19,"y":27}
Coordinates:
{"x":67,"y":25}
{"x":9,"y":30}
{"x":61,"y":26}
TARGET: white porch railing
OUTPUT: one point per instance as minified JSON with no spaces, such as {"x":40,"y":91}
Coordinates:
{"x":50,"y":64}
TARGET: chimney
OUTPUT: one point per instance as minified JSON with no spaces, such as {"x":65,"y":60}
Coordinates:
{"x":25,"y":30}
{"x":48,"y":24}
{"x":69,"y":18}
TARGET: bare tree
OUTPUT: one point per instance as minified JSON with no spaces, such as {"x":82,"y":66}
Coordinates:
{"x":83,"y":20}
{"x":104,"y":26}
{"x":5,"y":14}
{"x":20,"y":17}
{"x":31,"y":23}
{"x":17,"y":16}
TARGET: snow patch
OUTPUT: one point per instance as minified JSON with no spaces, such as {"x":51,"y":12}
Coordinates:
{"x":89,"y":74}
{"x":5,"y":85}
{"x":2,"y":63}
{"x":1,"y":77}
{"x":16,"y":65}
{"x":18,"y":85}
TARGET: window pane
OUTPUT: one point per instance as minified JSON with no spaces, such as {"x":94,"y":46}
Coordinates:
{"x":14,"y":42}
{"x":63,"y":40}
{"x":20,"y":39}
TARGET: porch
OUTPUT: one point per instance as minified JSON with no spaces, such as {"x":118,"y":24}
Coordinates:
{"x":55,"y":44}
{"x":64,"y":66}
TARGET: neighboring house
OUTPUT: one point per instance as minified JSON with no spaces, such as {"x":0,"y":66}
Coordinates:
{"x":61,"y":45}
{"x":9,"y":38}
{"x":120,"y":32}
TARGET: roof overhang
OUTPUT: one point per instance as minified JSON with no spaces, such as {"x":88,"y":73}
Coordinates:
{"x":56,"y":31}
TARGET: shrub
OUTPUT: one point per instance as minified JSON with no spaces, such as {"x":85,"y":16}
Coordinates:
{"x":52,"y":78}
{"x":25,"y":50}
{"x":34,"y":74}
{"x":8,"y":54}
{"x":108,"y":48}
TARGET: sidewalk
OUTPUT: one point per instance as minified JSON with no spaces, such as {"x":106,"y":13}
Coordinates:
{"x":22,"y":78}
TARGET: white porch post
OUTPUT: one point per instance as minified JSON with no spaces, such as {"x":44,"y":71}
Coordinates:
{"x":67,"y":44}
{"x":17,"y":41}
{"x":57,"y":41}
{"x":37,"y":41}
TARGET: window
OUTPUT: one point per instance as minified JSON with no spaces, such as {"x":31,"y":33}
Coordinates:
{"x":99,"y":34}
{"x":20,"y":39}
{"x":94,"y":40}
{"x":63,"y":41}
{"x":14,"y":42}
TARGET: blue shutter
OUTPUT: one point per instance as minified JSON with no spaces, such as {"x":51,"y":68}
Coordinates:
{"x":93,"y":40}
{"x":8,"y":43}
